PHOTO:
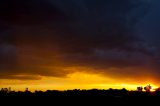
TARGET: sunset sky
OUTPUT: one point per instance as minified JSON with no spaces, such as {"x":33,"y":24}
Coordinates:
{"x":85,"y":44}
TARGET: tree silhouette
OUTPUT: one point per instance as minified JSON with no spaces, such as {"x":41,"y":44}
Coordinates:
{"x":140,"y":89}
{"x":148,"y":88}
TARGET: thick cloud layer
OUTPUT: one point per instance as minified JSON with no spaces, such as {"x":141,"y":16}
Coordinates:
{"x":51,"y":37}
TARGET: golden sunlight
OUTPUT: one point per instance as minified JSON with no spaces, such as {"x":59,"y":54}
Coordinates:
{"x":77,"y":80}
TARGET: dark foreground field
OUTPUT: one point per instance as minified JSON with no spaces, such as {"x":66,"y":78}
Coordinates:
{"x":81,"y":97}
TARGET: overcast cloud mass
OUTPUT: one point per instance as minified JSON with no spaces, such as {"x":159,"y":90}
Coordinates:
{"x":119,"y":38}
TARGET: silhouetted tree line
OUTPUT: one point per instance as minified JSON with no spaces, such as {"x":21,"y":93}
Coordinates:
{"x":113,"y":93}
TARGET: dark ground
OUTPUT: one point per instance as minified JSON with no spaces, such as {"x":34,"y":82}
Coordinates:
{"x":81,"y":97}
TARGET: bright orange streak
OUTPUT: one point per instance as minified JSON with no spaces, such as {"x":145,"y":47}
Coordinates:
{"x":76,"y":80}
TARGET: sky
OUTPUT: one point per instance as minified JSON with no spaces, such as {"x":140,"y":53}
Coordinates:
{"x":67,"y":44}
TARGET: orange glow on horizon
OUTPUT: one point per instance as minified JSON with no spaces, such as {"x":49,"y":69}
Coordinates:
{"x":76,"y":80}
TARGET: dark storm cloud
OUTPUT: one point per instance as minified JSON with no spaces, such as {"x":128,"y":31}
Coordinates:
{"x":44,"y":37}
